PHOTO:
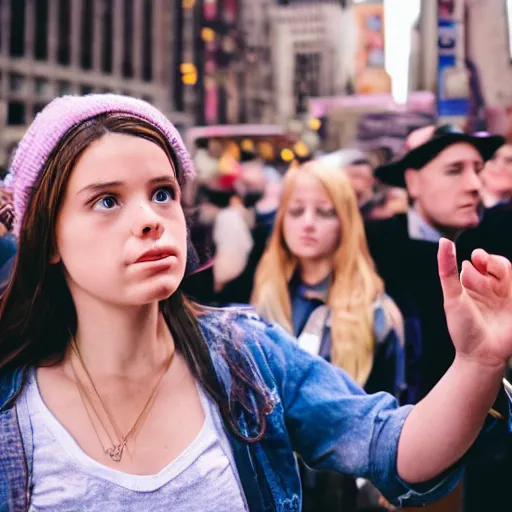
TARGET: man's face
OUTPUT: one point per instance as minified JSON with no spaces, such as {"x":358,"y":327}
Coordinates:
{"x":446,"y":190}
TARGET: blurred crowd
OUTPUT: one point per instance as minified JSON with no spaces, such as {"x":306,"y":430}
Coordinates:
{"x":341,"y":250}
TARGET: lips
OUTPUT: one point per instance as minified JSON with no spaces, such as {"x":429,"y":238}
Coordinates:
{"x":308,"y":240}
{"x":156,"y":254}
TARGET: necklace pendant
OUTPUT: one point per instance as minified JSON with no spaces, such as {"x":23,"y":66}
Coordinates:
{"x":116,"y":452}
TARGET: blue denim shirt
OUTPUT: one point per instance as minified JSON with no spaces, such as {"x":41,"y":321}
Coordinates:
{"x":318,"y":411}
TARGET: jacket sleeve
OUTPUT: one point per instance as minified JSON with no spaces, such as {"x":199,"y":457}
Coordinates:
{"x":334,"y":425}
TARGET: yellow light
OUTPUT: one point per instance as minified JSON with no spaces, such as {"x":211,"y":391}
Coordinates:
{"x":314,"y":124}
{"x":287,"y":155}
{"x":188,"y":4}
{"x":247,"y":145}
{"x":189,"y":78}
{"x":208,"y":35}
{"x":301,"y":149}
{"x":188,"y":67}
{"x":266,"y":150}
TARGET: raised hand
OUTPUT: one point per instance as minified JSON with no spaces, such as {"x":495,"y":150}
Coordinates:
{"x":478,"y":304}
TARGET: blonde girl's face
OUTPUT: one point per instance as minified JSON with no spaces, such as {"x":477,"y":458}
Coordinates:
{"x":311,"y":225}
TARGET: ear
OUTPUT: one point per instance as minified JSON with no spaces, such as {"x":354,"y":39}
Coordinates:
{"x":412,"y":182}
{"x":55,"y":257}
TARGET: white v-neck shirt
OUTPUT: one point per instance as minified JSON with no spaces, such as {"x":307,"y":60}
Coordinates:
{"x":64,"y":478}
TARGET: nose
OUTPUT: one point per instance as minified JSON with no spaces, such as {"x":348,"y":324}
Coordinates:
{"x":473,"y":182}
{"x":147,"y":223}
{"x":308,"y":219}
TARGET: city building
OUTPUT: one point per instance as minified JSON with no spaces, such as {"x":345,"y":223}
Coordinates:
{"x":293,"y":50}
{"x":54,"y":47}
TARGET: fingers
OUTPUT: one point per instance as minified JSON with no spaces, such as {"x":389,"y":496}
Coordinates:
{"x":448,"y":271}
{"x":473,"y":280}
{"x":480,"y":258}
{"x":487,"y":273}
{"x":499,"y":269}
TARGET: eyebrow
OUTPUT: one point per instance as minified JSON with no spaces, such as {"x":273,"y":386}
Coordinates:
{"x":103,"y":185}
{"x":462,"y":162}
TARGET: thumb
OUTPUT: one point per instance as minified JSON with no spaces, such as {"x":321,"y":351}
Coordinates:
{"x":448,"y":271}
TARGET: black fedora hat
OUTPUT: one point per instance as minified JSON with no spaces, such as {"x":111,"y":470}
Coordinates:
{"x":394,"y":173}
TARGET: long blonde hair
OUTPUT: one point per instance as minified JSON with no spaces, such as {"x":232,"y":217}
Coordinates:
{"x":355,"y":282}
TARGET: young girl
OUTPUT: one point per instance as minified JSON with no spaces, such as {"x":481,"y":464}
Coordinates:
{"x":317,"y":280}
{"x":118,"y":394}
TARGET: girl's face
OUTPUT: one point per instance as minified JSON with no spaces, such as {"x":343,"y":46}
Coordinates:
{"x":121,"y":232}
{"x":311,"y":225}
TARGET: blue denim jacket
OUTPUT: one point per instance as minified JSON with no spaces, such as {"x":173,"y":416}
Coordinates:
{"x":318,"y":411}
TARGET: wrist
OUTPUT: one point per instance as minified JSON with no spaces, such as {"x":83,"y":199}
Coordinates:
{"x":482,"y":365}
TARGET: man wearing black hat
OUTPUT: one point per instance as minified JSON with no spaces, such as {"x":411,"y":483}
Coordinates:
{"x":440,"y":172}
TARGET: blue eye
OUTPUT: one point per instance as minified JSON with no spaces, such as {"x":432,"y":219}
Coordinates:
{"x":164,"y":195}
{"x":105,"y":203}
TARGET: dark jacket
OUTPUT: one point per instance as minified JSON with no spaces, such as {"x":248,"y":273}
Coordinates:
{"x":409,"y":270}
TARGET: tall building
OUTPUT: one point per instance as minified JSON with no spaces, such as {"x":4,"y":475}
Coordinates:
{"x":294,"y":49}
{"x":53,"y":47}
{"x":257,"y":85}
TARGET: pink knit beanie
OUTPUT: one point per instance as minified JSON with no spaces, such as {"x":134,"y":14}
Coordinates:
{"x":62,"y":114}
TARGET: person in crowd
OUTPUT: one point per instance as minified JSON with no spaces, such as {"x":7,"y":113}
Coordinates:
{"x":116,"y":393}
{"x":375,"y":200}
{"x":440,"y":172}
{"x":318,"y":255}
{"x":497,"y":178}
{"x":491,"y":233}
{"x":239,"y":234}
{"x":7,"y":240}
{"x":317,"y":280}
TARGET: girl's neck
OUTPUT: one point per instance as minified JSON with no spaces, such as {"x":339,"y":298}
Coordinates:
{"x":122,"y":343}
{"x":313,"y":272}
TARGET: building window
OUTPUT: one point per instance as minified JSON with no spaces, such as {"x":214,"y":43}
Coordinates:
{"x":128,"y":39}
{"x":86,"y":40}
{"x":147,"y":40}
{"x":63,"y":49}
{"x":64,"y":88}
{"x":37,"y":108}
{"x":16,"y":113}
{"x":307,"y":76}
{"x":17,"y":46}
{"x":41,"y":87}
{"x":41,"y":20}
{"x":108,"y":20}
{"x":16,"y":82}
{"x":86,"y":89}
